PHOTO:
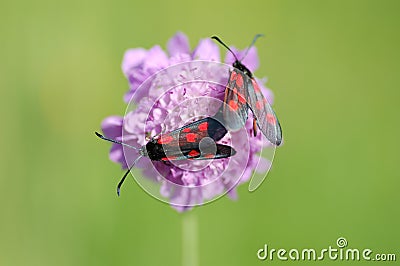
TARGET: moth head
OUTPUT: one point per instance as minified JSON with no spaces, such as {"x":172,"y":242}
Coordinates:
{"x":237,"y":64}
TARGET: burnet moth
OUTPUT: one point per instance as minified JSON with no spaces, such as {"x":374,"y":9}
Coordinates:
{"x":242,"y":93}
{"x":182,"y":144}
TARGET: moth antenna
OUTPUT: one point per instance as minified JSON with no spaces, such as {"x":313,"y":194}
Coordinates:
{"x":226,"y":46}
{"x":251,"y":45}
{"x":115,"y":141}
{"x":125,"y":175}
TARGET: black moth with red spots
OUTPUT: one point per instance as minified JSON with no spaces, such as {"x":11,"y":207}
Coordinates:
{"x":242,"y":93}
{"x":183,"y":144}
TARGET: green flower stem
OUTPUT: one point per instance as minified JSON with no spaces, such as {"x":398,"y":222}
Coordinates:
{"x":190,"y":247}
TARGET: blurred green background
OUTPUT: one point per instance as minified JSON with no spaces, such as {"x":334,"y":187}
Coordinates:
{"x":334,"y":69}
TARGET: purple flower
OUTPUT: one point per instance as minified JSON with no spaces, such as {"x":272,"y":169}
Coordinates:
{"x":162,"y":90}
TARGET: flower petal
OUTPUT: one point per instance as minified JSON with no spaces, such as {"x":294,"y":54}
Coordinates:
{"x":180,"y":58}
{"x":117,"y":155}
{"x":232,"y":194}
{"x":206,"y":50}
{"x":263,"y":165}
{"x":132,"y":59}
{"x":179,"y":44}
{"x":112,"y":126}
{"x":156,"y":59}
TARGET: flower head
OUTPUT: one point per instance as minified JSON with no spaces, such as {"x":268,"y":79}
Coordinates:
{"x":168,"y":90}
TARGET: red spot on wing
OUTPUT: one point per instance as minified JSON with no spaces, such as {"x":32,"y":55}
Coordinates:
{"x":165,"y":139}
{"x":233,"y":104}
{"x":194,"y":153}
{"x":271,"y":119}
{"x":169,"y":158}
{"x":241,"y":98}
{"x":203,"y":126}
{"x":209,"y":156}
{"x":239,"y":80}
{"x":191,"y":137}
{"x":260,"y":105}
{"x":233,"y":75}
{"x":255,"y":86}
{"x":186,"y":130}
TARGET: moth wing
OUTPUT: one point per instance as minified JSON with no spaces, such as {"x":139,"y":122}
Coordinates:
{"x":265,"y":116}
{"x":235,"y":108}
{"x":206,"y":127}
{"x":178,"y":143}
{"x":222,"y":151}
